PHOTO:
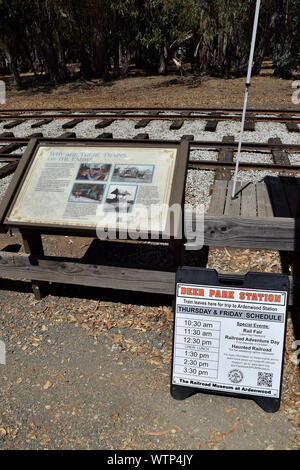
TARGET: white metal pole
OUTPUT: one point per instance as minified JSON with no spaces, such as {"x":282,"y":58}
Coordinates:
{"x":248,"y":83}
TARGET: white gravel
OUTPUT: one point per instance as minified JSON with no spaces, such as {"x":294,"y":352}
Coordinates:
{"x":161,"y":130}
{"x":253,"y":157}
{"x":254,"y":176}
{"x":203,"y":154}
{"x":294,"y":158}
{"x":4,"y":183}
{"x":198,"y":187}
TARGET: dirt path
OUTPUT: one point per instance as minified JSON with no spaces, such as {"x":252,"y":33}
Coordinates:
{"x":63,"y":389}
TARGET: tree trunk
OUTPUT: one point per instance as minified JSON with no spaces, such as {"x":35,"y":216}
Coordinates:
{"x":162,"y":67}
{"x":12,"y":63}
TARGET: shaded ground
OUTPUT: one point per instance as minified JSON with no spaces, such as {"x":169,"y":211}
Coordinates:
{"x":168,"y":91}
{"x":67,"y":385}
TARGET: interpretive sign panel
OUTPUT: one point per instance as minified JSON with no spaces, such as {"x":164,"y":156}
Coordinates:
{"x":92,"y":185}
{"x":230,"y":339}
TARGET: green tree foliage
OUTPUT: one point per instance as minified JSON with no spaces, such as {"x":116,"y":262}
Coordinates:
{"x":105,"y":36}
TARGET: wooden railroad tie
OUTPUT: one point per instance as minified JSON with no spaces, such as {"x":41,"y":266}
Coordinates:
{"x":144,"y":122}
{"x":6,"y":135}
{"x":280,"y":157}
{"x":211,"y":126}
{"x":41,"y":123}
{"x":72,"y":124}
{"x":67,"y":135}
{"x":291,"y":126}
{"x":8,"y":169}
{"x":176,"y":125}
{"x":250,"y":123}
{"x":13,"y":124}
{"x":226,"y":156}
{"x":104,"y":123}
{"x":105,"y":135}
{"x":10,"y":148}
{"x":141,"y":137}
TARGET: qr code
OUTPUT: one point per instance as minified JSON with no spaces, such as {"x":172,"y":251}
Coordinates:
{"x":264,"y":379}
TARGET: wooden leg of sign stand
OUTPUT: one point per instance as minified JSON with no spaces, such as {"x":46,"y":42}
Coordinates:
{"x":296,"y":276}
{"x":178,"y":252}
{"x":33,"y":245}
{"x":296,"y":294}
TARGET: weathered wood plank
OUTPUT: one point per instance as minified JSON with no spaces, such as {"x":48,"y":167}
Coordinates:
{"x":217,"y":203}
{"x":274,"y":233}
{"x":69,"y":271}
{"x":248,"y":203}
{"x":233,"y":206}
{"x":264,"y":207}
{"x":33,"y":245}
{"x":64,"y":271}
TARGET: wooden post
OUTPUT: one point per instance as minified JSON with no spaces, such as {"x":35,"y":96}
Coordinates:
{"x":178,"y":252}
{"x":33,"y":245}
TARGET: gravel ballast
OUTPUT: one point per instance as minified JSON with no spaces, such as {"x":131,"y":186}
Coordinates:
{"x":199,"y":182}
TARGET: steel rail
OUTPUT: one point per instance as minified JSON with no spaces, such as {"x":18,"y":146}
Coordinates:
{"x":195,"y":144}
{"x":151,"y":117}
{"x":221,"y":109}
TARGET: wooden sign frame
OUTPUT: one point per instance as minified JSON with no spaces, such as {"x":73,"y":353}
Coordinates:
{"x":176,"y":195}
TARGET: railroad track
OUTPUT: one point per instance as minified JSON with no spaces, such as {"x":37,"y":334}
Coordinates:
{"x":213,"y":116}
{"x":11,"y":147}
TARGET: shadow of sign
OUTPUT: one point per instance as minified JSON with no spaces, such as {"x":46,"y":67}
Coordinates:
{"x":2,"y":353}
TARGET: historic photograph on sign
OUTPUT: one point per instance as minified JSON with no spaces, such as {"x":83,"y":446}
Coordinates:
{"x":86,"y":185}
{"x":120,"y":198}
{"x":93,"y":172}
{"x":87,"y":193}
{"x":133,"y":173}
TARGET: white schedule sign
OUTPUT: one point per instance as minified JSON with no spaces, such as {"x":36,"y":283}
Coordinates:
{"x":229,"y":339}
